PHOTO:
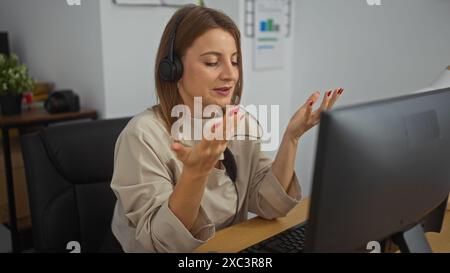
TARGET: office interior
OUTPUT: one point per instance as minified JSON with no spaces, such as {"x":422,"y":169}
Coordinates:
{"x":105,"y":52}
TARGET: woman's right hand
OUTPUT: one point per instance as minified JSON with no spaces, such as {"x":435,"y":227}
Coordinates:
{"x":201,"y":159}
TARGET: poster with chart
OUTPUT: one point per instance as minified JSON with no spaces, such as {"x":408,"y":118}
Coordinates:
{"x":269,"y":34}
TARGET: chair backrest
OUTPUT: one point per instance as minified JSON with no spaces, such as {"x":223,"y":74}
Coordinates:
{"x":68,"y":170}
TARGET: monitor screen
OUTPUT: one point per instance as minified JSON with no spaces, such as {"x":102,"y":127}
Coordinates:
{"x":382,"y":169}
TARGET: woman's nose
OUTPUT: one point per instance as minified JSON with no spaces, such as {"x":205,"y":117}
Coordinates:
{"x":229,"y":72}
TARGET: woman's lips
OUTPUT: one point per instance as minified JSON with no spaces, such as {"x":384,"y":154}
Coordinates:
{"x":223,"y":91}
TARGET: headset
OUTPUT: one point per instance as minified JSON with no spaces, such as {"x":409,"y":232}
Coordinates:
{"x":171,"y":67}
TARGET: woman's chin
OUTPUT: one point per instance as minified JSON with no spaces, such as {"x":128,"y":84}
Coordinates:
{"x":224,"y":102}
{"x":220,"y":101}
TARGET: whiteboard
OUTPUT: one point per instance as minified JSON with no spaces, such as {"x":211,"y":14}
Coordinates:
{"x":156,"y":2}
{"x":138,"y":2}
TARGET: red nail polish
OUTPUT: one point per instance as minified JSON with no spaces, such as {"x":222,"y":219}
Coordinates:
{"x":311,"y":103}
{"x":329,"y":93}
{"x":340,"y":91}
{"x":234,"y":112}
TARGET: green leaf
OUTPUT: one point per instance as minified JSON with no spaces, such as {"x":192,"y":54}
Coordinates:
{"x":14,"y":78}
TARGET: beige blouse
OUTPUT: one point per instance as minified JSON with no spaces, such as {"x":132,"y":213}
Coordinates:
{"x":146,"y":170}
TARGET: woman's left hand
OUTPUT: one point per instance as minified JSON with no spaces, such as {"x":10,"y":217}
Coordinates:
{"x":304,"y":119}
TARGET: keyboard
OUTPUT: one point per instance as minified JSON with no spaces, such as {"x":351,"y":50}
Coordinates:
{"x":289,"y":241}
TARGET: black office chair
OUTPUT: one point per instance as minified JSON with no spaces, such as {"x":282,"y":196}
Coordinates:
{"x":68,"y":170}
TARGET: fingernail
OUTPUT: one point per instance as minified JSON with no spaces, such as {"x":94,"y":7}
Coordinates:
{"x":340,"y":91}
{"x":233,"y":112}
{"x":311,"y":103}
{"x":329,"y":93}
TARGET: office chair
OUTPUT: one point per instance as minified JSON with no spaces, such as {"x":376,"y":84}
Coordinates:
{"x":68,"y":170}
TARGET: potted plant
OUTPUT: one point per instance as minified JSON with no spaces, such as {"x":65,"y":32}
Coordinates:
{"x":14,"y":80}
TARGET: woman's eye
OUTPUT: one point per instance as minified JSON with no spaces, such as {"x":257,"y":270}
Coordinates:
{"x":211,"y":64}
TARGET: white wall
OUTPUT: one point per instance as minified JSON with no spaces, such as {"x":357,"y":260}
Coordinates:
{"x":130,"y":37}
{"x":59,"y":43}
{"x":373,"y":52}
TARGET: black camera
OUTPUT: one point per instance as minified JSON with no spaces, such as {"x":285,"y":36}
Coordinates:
{"x":62,"y":101}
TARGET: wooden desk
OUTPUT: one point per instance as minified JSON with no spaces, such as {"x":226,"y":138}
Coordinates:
{"x":238,"y":237}
{"x":250,"y":232}
{"x":35,"y":117}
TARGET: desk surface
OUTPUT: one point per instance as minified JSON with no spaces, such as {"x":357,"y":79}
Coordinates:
{"x":42,"y":116}
{"x":245,"y":234}
{"x":238,"y":237}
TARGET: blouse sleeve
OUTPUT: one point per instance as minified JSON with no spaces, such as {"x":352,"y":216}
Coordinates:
{"x":143,"y":183}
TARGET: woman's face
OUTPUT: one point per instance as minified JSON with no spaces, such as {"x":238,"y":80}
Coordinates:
{"x":211,"y":69}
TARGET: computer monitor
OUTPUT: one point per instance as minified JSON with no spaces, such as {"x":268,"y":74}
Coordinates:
{"x":4,"y":43}
{"x":382,"y":172}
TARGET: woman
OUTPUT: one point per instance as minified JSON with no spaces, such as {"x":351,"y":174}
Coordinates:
{"x":173,"y":196}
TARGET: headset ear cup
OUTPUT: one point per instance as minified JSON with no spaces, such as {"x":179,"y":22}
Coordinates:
{"x":166,"y":70}
{"x":171,"y":71}
{"x":178,"y":68}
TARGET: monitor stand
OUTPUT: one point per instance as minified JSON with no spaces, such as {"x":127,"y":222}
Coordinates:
{"x":412,"y":240}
